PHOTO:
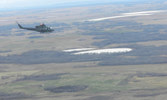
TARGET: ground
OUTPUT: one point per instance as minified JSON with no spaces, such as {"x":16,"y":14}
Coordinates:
{"x":34,"y":66}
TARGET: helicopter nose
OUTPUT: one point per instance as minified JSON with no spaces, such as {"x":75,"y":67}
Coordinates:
{"x":52,"y":30}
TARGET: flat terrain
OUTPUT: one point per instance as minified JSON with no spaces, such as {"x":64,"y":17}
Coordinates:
{"x":34,"y":66}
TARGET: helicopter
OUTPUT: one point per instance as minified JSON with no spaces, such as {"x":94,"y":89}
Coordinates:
{"x":42,"y":28}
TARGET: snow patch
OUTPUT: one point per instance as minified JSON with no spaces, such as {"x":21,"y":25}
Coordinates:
{"x":81,"y":49}
{"x":102,"y":51}
{"x":133,"y":14}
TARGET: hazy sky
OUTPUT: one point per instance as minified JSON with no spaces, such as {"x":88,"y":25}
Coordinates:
{"x":6,"y":4}
{"x":20,"y":4}
{"x":31,"y":3}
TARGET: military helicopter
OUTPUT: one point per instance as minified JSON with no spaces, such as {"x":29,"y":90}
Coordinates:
{"x":40,"y":28}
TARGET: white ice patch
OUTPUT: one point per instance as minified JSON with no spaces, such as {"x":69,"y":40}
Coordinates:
{"x":80,"y":49}
{"x":102,"y":51}
{"x":133,"y":14}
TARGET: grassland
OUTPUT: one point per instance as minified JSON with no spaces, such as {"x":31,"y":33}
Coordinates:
{"x":107,"y":81}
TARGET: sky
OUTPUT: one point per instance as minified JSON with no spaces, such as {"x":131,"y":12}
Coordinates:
{"x":12,"y":4}
{"x":23,"y":4}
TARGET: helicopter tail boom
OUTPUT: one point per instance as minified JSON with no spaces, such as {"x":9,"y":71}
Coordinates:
{"x":20,"y":26}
